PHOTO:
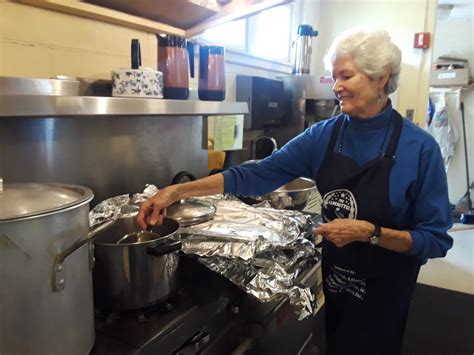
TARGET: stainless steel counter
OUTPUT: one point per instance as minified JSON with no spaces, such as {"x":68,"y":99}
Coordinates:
{"x":56,"y":106}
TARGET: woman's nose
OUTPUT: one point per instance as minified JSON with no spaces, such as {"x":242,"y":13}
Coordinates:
{"x":336,"y":87}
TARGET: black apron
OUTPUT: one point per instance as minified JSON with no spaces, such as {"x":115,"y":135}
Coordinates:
{"x":367,"y":288}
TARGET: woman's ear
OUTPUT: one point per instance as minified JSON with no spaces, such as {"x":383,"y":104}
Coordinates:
{"x":383,"y":80}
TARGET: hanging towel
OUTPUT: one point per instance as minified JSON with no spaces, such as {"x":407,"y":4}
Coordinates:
{"x":441,"y":126}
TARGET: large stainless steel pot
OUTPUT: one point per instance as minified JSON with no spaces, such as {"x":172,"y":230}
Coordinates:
{"x":134,"y":269}
{"x":46,"y":304}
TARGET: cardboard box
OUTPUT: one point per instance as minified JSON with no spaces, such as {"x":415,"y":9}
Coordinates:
{"x":449,"y":77}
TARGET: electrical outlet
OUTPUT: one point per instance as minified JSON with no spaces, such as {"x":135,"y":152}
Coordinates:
{"x":409,"y":114}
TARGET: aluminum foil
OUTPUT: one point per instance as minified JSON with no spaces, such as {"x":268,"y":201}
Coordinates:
{"x":239,"y":230}
{"x":272,"y":274}
{"x":260,"y":249}
{"x":120,"y":206}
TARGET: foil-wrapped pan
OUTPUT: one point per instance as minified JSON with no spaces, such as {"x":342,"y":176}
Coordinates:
{"x":260,"y":249}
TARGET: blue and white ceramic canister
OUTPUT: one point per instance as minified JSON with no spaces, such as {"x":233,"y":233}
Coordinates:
{"x":143,"y":82}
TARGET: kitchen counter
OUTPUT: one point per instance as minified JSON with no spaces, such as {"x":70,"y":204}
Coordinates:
{"x":460,"y":227}
{"x":93,"y":106}
{"x":455,"y":271}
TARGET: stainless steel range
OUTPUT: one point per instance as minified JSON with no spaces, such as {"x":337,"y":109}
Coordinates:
{"x":208,"y":315}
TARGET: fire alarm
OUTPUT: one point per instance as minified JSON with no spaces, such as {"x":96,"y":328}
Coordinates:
{"x":422,"y":40}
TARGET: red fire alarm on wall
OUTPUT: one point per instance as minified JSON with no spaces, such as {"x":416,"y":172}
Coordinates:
{"x":422,"y":40}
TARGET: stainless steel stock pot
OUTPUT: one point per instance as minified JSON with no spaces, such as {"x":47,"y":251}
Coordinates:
{"x":46,"y":304}
{"x":135,"y":268}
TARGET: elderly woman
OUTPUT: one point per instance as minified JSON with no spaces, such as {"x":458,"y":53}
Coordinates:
{"x":384,"y":189}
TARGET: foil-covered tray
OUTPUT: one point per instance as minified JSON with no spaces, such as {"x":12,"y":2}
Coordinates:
{"x":260,"y":249}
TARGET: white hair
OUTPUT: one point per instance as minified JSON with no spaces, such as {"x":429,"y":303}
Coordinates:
{"x":373,"y":52}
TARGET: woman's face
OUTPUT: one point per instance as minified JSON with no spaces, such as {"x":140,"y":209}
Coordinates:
{"x":358,"y":94}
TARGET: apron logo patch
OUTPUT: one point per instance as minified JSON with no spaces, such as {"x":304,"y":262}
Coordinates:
{"x":341,"y":204}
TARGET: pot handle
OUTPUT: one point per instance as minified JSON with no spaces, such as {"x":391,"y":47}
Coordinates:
{"x":59,"y":279}
{"x":163,"y":249}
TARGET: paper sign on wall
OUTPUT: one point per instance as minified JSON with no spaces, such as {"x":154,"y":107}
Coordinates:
{"x":226,"y":132}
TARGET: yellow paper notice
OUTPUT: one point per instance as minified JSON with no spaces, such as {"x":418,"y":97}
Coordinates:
{"x":224,"y":133}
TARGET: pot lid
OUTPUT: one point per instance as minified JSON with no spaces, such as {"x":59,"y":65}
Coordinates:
{"x":191,"y":211}
{"x":18,"y":201}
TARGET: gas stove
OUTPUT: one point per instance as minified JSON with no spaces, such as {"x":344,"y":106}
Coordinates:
{"x":207,"y":315}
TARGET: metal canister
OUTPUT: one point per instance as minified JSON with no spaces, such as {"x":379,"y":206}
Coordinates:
{"x":302,"y":47}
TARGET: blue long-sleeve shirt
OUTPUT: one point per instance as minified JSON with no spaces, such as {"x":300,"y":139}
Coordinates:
{"x":418,"y":186}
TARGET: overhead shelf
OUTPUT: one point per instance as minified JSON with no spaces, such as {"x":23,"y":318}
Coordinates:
{"x":60,"y":106}
{"x":186,"y":18}
{"x":178,"y":13}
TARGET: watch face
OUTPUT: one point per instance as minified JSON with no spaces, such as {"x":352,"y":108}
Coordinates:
{"x":374,"y":239}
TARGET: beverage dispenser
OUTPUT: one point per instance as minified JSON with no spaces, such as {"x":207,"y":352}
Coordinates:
{"x":302,"y":49}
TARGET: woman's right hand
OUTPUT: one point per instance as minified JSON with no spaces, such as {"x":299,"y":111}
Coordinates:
{"x":153,"y":210}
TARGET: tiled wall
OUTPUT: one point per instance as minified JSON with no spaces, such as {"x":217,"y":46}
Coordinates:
{"x":41,"y":43}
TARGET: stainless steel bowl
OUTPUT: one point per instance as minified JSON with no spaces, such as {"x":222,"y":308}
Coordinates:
{"x":292,"y":196}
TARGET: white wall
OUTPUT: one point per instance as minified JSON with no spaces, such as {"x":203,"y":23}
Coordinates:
{"x":455,"y":37}
{"x":401,"y":18}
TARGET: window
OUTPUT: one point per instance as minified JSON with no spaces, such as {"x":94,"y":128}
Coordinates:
{"x":266,"y":35}
{"x":230,"y":34}
{"x":271,"y":33}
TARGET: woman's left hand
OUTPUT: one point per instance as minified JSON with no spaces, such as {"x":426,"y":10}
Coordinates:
{"x":344,"y":231}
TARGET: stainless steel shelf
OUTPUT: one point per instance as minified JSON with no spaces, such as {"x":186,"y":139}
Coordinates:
{"x":54,"y":106}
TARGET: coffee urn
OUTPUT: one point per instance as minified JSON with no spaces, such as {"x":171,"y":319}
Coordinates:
{"x":302,"y":48}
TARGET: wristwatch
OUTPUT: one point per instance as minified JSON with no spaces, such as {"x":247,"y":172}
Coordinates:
{"x":374,"y":239}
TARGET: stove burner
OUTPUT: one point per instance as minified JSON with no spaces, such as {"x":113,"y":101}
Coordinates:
{"x":141,"y":315}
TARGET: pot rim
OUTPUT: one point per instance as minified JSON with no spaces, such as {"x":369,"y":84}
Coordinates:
{"x":146,"y":243}
{"x":296,"y":190}
{"x":158,"y":239}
